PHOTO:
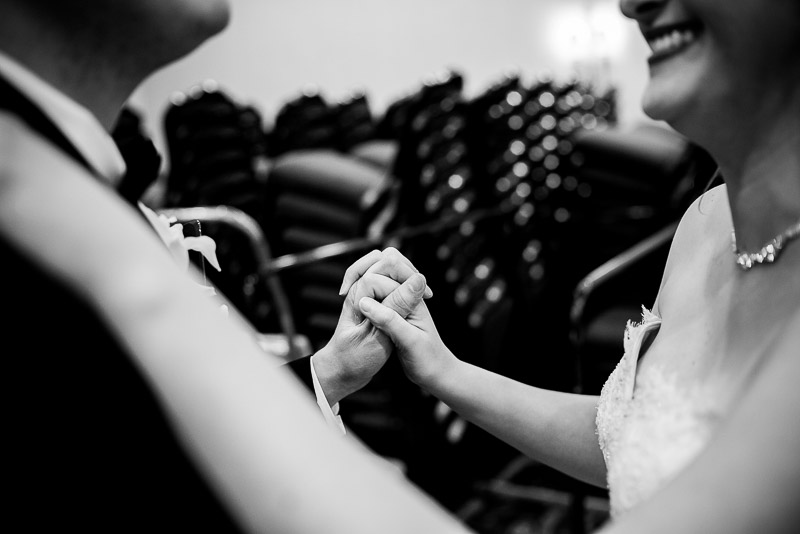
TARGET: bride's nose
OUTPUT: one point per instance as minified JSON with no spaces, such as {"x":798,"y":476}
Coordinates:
{"x":641,"y":10}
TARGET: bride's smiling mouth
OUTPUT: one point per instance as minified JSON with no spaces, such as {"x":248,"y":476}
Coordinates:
{"x":667,"y":41}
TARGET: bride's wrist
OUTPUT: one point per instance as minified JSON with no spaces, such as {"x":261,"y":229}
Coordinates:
{"x":439,"y":375}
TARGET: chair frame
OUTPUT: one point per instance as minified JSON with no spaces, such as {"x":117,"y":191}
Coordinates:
{"x":601,"y":275}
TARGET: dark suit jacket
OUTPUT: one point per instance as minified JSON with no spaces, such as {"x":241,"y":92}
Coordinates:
{"x":87,"y":444}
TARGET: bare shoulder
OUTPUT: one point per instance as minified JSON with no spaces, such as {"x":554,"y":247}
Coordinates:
{"x":706,"y":221}
{"x":706,"y":217}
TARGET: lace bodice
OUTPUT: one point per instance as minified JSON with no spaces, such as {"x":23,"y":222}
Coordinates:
{"x":649,"y":426}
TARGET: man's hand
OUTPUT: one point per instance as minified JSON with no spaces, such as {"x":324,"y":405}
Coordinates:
{"x":357,"y":349}
{"x":388,"y":262}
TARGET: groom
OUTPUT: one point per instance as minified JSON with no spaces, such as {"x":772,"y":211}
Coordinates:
{"x":67,"y":68}
{"x":86,"y":413}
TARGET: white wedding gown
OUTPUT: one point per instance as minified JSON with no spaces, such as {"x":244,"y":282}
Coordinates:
{"x":649,"y":425}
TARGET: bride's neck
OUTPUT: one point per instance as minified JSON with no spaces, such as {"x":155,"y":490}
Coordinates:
{"x":764,"y":184}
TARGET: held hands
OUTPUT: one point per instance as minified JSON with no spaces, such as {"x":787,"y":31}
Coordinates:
{"x":422,"y":353}
{"x":357,"y":349}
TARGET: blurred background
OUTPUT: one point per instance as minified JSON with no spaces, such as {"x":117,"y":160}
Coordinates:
{"x":272,"y":49}
{"x":499,"y":145}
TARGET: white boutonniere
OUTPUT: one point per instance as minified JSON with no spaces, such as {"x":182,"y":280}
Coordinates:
{"x":171,"y":233}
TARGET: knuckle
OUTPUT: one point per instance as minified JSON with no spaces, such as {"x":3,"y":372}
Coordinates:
{"x":393,"y":261}
{"x":402,"y":301}
{"x":366,"y":260}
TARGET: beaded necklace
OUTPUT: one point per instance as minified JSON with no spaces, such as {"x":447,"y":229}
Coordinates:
{"x":768,"y":253}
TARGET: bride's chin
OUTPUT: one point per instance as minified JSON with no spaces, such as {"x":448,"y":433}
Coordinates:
{"x":666,"y":99}
{"x":681,"y":117}
{"x":656,"y":108}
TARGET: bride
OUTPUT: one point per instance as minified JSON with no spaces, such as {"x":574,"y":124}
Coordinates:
{"x":698,"y":427}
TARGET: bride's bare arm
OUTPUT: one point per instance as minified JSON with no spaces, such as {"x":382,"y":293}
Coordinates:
{"x":553,"y":427}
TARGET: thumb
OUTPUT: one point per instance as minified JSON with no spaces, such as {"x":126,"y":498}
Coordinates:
{"x":407,"y":297}
{"x":385,"y":319}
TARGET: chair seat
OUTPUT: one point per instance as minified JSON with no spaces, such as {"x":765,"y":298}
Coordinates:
{"x":378,"y":152}
{"x":293,"y":209}
{"x":329,"y":175}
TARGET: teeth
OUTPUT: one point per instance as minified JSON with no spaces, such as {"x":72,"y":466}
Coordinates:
{"x":671,"y":41}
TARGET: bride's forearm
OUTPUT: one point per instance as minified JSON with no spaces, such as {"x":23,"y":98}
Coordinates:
{"x":552,"y":427}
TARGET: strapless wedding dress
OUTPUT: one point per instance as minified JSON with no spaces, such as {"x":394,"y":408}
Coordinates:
{"x":650,"y":426}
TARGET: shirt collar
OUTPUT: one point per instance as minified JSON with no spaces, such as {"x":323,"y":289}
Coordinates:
{"x":77,"y":124}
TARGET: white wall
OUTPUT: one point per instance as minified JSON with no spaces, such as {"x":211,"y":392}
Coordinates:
{"x":273,"y":48}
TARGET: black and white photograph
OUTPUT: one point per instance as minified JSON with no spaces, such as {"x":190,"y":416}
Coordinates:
{"x":418,"y":267}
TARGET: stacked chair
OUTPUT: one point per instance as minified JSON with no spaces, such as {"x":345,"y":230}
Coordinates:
{"x":319,"y":194}
{"x":307,"y":198}
{"x":433,"y":171}
{"x":309,"y":120}
{"x":304,"y":122}
{"x":489,"y":179}
{"x":217,"y":157}
{"x":295,"y":188}
{"x":216,"y":150}
{"x":319,"y":197}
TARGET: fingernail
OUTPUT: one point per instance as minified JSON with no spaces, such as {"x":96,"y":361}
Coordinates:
{"x":417,"y":282}
{"x":366,"y":304}
{"x":341,"y":290}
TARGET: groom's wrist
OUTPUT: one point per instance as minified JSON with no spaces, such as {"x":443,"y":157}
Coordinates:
{"x":332,"y":378}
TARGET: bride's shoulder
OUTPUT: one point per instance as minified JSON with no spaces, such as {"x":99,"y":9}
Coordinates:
{"x":708,"y":210}
{"x":703,"y":229}
{"x":707,"y":218}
